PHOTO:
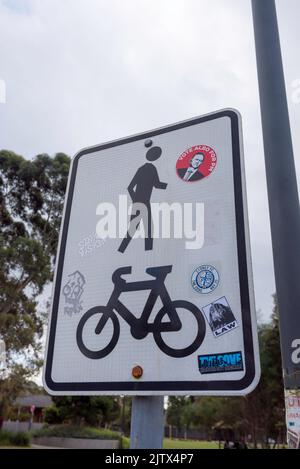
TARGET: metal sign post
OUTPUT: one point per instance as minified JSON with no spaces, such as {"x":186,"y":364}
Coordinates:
{"x":282,"y":185}
{"x":147,"y":422}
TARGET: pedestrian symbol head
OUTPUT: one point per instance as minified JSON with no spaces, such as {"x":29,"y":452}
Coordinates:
{"x":154,"y":153}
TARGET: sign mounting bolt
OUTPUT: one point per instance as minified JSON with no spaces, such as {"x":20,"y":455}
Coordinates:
{"x":137,"y":372}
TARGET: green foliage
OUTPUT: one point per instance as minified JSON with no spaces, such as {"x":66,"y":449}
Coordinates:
{"x":52,"y":415}
{"x":20,"y":439}
{"x":265,"y":406}
{"x":206,"y":413}
{"x":177,"y":411}
{"x":75,"y":431}
{"x":125,"y":442}
{"x":92,"y":410}
{"x":4,"y":437}
{"x":31,"y":202}
{"x":189,"y":444}
{"x":16,"y":439}
{"x":179,"y":444}
{"x":124,"y":418}
{"x":11,"y":387}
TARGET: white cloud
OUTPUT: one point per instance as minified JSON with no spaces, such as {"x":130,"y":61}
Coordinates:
{"x":79,"y":72}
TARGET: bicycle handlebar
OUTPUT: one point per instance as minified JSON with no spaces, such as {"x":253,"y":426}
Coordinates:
{"x":116,"y":276}
{"x":156,"y":272}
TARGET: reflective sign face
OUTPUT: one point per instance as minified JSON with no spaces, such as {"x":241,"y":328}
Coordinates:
{"x":153,"y":290}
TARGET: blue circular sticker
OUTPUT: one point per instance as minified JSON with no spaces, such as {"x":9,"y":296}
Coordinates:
{"x":205,"y":279}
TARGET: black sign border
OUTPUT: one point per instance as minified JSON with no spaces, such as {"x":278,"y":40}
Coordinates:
{"x":172,"y":386}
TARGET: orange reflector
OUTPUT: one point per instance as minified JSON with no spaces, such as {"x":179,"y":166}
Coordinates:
{"x":137,"y":372}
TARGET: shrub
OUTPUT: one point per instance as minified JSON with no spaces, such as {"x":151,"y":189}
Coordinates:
{"x":74,"y":431}
{"x":52,"y":415}
{"x":125,"y":442}
{"x":20,"y":439}
{"x":4,"y":437}
{"x":16,"y":439}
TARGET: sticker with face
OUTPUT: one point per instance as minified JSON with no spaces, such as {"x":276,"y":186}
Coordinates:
{"x":220,"y":317}
{"x":196,"y":163}
{"x":72,"y":292}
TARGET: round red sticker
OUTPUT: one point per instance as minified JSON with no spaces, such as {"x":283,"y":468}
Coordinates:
{"x":196,"y":163}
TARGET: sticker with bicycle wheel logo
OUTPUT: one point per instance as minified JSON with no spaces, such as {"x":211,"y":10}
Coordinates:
{"x":205,"y":279}
{"x":220,"y":317}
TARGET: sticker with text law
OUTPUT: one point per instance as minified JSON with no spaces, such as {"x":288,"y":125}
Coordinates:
{"x":220,"y":317}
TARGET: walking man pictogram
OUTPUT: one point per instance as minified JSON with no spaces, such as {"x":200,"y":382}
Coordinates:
{"x":140,"y":190}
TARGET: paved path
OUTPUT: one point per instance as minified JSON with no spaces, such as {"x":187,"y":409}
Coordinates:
{"x":44,"y":447}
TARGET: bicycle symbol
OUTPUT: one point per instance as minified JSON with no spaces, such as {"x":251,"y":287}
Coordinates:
{"x":141,"y":327}
{"x":205,"y":279}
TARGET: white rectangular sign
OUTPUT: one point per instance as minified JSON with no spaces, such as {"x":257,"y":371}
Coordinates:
{"x":153,"y":290}
{"x":292,"y":408}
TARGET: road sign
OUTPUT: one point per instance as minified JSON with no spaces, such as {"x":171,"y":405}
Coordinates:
{"x":153,"y":289}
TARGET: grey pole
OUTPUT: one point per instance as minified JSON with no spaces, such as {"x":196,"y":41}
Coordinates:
{"x":282,"y":184}
{"x":147,"y":422}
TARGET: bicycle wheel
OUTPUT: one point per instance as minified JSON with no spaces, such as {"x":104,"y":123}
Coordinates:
{"x":106,"y":315}
{"x":157,"y":334}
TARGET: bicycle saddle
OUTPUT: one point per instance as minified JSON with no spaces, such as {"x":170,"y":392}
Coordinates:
{"x":156,"y":271}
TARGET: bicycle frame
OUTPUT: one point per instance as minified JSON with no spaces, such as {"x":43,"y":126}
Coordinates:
{"x":140,"y":327}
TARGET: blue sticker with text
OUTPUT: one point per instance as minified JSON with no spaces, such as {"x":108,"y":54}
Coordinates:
{"x":220,"y":362}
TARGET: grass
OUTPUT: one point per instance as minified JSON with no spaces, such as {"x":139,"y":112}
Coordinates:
{"x":189,"y":444}
{"x":180,"y":444}
{"x":74,"y":431}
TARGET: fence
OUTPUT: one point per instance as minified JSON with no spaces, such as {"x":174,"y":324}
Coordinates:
{"x":16,"y":426}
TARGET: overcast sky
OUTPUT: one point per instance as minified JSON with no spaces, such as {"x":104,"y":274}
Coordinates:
{"x":80,"y":72}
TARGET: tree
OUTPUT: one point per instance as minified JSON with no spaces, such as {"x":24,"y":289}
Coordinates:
{"x":175,"y":411}
{"x":31,"y":202}
{"x":264,"y":407}
{"x":17,"y":381}
{"x":96,"y":411}
{"x":207,"y":413}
